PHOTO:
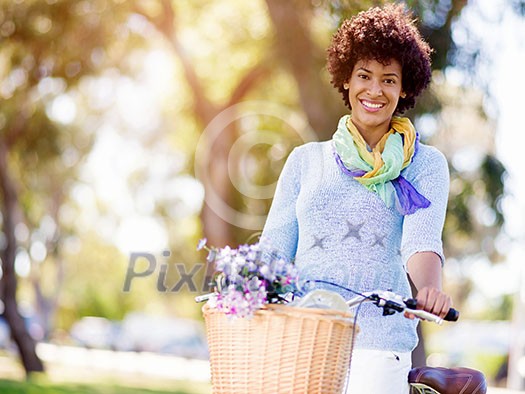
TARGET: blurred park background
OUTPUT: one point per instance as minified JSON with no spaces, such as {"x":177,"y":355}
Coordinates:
{"x":131,"y":129}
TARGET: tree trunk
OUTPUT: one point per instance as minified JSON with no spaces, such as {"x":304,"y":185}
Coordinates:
{"x":218,"y":200}
{"x":320,"y":102}
{"x":10,"y":211}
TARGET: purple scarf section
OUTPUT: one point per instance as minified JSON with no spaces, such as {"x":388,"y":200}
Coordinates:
{"x":352,"y":173}
{"x":408,"y":199}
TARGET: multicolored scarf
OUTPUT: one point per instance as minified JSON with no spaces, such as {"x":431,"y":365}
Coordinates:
{"x":379,"y":169}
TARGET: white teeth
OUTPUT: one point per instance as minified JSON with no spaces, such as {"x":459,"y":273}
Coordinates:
{"x":372,"y":105}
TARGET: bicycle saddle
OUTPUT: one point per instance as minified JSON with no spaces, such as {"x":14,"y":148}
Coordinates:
{"x":447,"y":380}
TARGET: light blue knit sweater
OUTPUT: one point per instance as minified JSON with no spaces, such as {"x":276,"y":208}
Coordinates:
{"x":337,"y":230}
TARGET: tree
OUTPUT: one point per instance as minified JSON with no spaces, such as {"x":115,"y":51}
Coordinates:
{"x":46,"y":49}
{"x":164,"y":19}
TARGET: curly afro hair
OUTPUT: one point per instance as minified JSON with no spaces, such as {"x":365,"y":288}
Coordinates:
{"x":381,"y":34}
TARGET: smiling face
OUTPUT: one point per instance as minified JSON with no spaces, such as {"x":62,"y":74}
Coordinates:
{"x":373,"y":91}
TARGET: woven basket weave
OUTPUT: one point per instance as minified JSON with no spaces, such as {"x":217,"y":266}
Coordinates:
{"x":282,"y":349}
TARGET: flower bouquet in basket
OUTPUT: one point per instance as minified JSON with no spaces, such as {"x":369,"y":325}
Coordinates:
{"x":247,"y":278}
{"x":258,"y":341}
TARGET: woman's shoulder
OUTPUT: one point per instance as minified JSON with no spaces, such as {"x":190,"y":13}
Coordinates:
{"x":312,"y":148}
{"x":309,"y":155}
{"x":428,"y":162}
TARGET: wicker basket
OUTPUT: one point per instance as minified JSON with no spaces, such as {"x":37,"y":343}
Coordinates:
{"x":282,"y":349}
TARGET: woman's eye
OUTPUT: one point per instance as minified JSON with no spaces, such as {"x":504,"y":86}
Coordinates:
{"x":362,"y":76}
{"x":390,"y":81}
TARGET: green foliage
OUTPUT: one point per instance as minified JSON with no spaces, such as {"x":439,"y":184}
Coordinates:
{"x":94,"y":281}
{"x":474,"y":214}
{"x":344,"y":9}
{"x":57,"y":39}
{"x":459,"y":218}
{"x":435,"y":19}
{"x":493,"y":174}
{"x":500,"y":308}
{"x":490,"y":364}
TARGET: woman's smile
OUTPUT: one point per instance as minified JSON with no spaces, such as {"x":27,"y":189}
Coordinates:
{"x":371,"y":106}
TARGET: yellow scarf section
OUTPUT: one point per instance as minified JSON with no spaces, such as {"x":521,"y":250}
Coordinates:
{"x":399,"y":125}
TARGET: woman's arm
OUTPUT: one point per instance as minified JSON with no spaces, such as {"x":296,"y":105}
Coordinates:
{"x":280,"y":233}
{"x":422,"y":247}
{"x":425,"y":269}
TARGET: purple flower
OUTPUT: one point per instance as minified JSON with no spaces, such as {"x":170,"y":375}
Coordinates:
{"x":246,"y":278}
{"x":202,"y":243}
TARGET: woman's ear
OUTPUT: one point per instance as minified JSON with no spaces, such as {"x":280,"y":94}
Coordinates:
{"x":403,"y":95}
{"x":345,"y":86}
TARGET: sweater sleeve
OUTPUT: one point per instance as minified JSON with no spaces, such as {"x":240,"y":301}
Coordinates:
{"x":280,"y":233}
{"x":422,"y":231}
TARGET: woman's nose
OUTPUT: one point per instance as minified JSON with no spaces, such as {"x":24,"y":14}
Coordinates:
{"x":374,"y":89}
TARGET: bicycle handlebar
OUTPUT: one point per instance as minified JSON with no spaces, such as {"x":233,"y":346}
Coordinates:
{"x":392,"y":303}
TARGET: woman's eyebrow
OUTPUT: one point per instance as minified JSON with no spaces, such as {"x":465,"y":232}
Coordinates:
{"x":391,"y":74}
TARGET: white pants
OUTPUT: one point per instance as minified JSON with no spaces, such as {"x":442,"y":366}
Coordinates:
{"x":379,"y":372}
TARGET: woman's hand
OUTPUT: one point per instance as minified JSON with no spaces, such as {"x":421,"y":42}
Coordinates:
{"x":425,"y":271}
{"x":432,"y":300}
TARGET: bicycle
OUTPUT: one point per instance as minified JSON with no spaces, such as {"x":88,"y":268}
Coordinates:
{"x":427,"y":380}
{"x":423,"y":380}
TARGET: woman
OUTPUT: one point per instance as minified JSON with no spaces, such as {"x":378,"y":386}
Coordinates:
{"x":368,"y":207}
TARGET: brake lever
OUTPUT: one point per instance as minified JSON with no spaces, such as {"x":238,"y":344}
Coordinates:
{"x":389,"y":302}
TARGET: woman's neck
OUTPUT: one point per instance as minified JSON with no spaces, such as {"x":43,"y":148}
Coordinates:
{"x":372,"y":135}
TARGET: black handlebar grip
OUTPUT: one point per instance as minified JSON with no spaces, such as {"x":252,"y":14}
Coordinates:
{"x":452,"y":315}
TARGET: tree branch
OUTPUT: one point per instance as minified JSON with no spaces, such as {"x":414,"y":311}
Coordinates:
{"x":16,"y":128}
{"x":164,"y":23}
{"x":247,"y":82}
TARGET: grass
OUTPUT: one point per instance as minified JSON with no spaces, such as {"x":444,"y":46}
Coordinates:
{"x":63,"y":378}
{"x":30,"y":387}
